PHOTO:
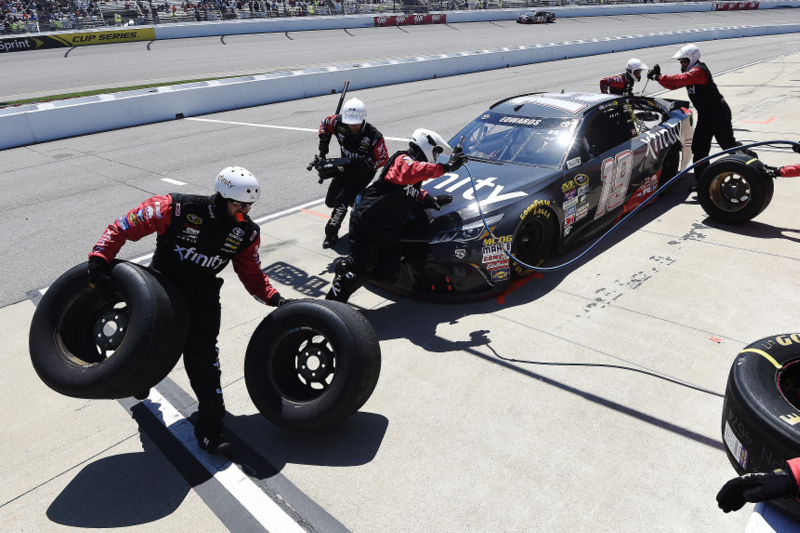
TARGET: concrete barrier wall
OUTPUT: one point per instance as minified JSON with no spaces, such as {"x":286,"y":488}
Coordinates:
{"x":49,"y":121}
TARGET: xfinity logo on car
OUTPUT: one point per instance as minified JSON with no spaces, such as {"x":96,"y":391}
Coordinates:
{"x":200,"y":259}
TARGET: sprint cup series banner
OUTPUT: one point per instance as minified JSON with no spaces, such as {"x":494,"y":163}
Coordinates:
{"x":405,"y":20}
{"x":68,"y":40}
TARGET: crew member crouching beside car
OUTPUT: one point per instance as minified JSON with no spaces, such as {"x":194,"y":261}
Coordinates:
{"x":384,"y":206}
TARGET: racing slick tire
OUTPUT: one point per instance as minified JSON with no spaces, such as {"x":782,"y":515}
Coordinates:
{"x":735,"y":189}
{"x":312,"y":363}
{"x":760,"y":417}
{"x":533,"y":239}
{"x":671,"y":165}
{"x":93,"y":344}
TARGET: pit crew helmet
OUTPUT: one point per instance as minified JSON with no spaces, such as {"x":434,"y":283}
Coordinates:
{"x":354,"y":112}
{"x":690,"y":52}
{"x":633,"y":66}
{"x":237,"y":183}
{"x":430,"y":143}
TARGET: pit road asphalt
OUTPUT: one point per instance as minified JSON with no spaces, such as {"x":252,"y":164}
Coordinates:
{"x":585,"y":435}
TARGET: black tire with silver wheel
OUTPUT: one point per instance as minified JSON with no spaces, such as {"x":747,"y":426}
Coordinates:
{"x":735,"y":189}
{"x":760,"y":415}
{"x":311,"y":364}
{"x":533,"y":239}
{"x":94,"y":344}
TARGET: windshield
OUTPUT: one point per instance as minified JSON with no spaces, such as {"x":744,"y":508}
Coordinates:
{"x":542,"y":142}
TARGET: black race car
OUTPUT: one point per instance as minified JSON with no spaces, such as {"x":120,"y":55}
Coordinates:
{"x":551,"y":171}
{"x":536,"y":17}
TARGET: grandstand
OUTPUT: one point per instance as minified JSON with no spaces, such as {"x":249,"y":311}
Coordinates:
{"x":33,"y":16}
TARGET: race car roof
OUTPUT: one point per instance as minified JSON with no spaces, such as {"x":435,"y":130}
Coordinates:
{"x":551,"y":104}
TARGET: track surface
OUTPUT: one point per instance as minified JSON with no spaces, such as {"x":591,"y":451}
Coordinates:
{"x":553,"y":411}
{"x":119,"y":65}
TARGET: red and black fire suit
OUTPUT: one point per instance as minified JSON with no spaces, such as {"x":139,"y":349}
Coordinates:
{"x":368,"y":144}
{"x":376,"y":223}
{"x":713,"y":113}
{"x":196,"y":240}
{"x":621,"y":85}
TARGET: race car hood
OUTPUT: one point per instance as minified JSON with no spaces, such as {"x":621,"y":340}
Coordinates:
{"x":497,"y":187}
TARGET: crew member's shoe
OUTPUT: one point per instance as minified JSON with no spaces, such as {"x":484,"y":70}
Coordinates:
{"x":330,"y":241}
{"x":142,"y":395}
{"x":214,"y":443}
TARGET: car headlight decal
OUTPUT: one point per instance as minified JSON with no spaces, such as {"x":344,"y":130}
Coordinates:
{"x":469,"y":232}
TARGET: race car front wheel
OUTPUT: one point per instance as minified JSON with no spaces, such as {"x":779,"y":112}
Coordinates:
{"x":94,"y":344}
{"x":533,"y":240}
{"x":735,"y":189}
{"x":760,"y":415}
{"x":311,"y":364}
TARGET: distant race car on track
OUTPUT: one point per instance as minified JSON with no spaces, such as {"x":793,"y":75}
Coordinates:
{"x":551,"y":171}
{"x":536,"y":17}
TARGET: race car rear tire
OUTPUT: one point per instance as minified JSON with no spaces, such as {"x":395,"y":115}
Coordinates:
{"x":735,"y":189}
{"x":93,"y":344}
{"x":671,"y":165}
{"x":760,"y":416}
{"x":312,"y":363}
{"x":533,"y":239}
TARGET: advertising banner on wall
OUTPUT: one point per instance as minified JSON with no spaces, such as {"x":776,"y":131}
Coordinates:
{"x":410,"y":20}
{"x":25,"y":43}
{"x":735,"y":6}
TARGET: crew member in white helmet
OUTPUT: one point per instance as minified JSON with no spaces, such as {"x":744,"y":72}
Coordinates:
{"x":713,"y":113}
{"x":357,"y":138}
{"x":197,"y":237}
{"x":383,"y":208}
{"x":623,"y":84}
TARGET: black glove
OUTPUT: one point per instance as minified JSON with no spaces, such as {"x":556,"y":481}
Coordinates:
{"x":772,"y":172}
{"x":98,"y":275}
{"x":323,"y":146}
{"x":436,"y":202}
{"x":756,"y":488}
{"x":654,"y":73}
{"x":457,"y":159}
{"x":279,"y":301}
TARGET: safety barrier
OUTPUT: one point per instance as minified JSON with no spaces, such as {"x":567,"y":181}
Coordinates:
{"x":45,"y":122}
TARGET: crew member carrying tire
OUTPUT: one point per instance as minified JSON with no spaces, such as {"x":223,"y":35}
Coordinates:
{"x":713,"y":113}
{"x":623,"y":84}
{"x":197,"y":237}
{"x":357,"y":138}
{"x":781,"y":483}
{"x":383,"y":208}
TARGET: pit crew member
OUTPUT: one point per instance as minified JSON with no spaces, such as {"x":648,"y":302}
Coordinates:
{"x":623,"y":84}
{"x":357,"y":138}
{"x":384,"y":206}
{"x":778,"y":484}
{"x":713,"y":113}
{"x":197,"y":237}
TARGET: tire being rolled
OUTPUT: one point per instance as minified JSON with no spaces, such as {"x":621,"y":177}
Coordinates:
{"x":735,"y":189}
{"x":760,"y":418}
{"x":150,"y":322}
{"x":312,"y":363}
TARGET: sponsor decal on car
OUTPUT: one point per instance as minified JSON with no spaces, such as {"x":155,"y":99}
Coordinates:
{"x":581,"y":179}
{"x":567,"y":186}
{"x":493,"y":197}
{"x":574,"y":162}
{"x":660,"y":139}
{"x":581,"y":212}
{"x":533,"y":206}
{"x":460,"y":253}
{"x":194,"y":219}
{"x":583,"y":189}
{"x":501,"y":274}
{"x":567,"y":229}
{"x":570,"y":203}
{"x":569,"y":219}
{"x":572,"y":193}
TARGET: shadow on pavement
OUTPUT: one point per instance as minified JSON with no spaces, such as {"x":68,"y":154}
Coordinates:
{"x":755,"y":229}
{"x":121,"y":490}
